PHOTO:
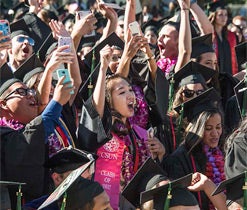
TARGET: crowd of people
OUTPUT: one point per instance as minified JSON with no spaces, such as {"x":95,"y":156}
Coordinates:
{"x":156,"y":118}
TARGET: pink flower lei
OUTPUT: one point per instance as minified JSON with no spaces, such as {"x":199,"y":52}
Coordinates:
{"x":214,"y":166}
{"x":10,"y":123}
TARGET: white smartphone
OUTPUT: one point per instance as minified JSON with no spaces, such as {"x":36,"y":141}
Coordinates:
{"x":82,"y":14}
{"x":150,"y":132}
{"x":65,"y":72}
{"x":112,"y":5}
{"x":135,"y":28}
{"x":64,"y":40}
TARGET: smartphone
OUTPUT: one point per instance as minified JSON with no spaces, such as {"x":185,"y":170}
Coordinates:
{"x":135,"y":28}
{"x":83,"y":14}
{"x":112,"y":5}
{"x":5,"y":29}
{"x":64,"y":40}
{"x":150,"y":132}
{"x":65,"y":72}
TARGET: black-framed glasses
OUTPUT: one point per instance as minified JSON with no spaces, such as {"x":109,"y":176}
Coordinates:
{"x":22,"y":39}
{"x":190,"y":93}
{"x":21,"y":92}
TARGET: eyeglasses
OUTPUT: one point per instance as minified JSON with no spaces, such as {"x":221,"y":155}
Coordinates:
{"x":190,"y":93}
{"x":22,"y":92}
{"x":115,"y":58}
{"x":22,"y":39}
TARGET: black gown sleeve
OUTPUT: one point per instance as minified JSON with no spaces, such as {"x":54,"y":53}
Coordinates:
{"x":23,"y":153}
{"x":93,"y":131}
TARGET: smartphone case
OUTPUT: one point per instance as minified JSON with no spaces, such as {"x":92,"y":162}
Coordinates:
{"x":65,"y":72}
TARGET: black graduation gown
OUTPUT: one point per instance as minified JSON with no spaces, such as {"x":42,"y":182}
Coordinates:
{"x":22,"y":157}
{"x":93,"y":131}
{"x":179,"y":164}
{"x":236,"y":156}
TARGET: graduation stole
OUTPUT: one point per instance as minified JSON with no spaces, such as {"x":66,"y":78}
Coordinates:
{"x":63,"y":134}
{"x":109,"y":164}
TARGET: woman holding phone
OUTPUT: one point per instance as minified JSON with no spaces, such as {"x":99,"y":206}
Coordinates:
{"x":129,"y":145}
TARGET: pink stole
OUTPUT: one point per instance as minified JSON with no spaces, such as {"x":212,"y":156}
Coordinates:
{"x":108,"y":165}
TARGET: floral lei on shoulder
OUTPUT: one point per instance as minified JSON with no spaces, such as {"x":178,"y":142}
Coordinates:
{"x":11,"y":123}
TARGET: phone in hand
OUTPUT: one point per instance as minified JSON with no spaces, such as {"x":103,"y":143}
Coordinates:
{"x":83,"y":14}
{"x":135,"y":28}
{"x":150,"y":132}
{"x":65,"y":72}
{"x":64,"y":40}
{"x":5,"y":29}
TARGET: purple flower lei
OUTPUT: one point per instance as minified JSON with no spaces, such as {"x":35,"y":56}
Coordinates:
{"x":10,"y":123}
{"x":127,"y":168}
{"x":215,"y":164}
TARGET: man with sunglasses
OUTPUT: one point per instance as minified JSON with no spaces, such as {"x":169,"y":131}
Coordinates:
{"x":22,"y":44}
{"x":23,"y":144}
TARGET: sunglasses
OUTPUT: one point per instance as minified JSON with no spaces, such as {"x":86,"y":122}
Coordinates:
{"x":22,"y":39}
{"x":21,"y":92}
{"x":190,"y":93}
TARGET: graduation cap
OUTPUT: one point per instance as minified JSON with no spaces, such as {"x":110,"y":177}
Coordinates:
{"x":20,"y":9}
{"x":19,"y":27}
{"x":68,"y":159}
{"x":241,"y":53}
{"x":89,"y":41}
{"x":202,"y":44}
{"x":236,"y":187}
{"x":29,"y":68}
{"x":18,"y":194}
{"x":7,"y":78}
{"x":206,"y":101}
{"x":175,"y":192}
{"x":240,"y":91}
{"x":192,"y":73}
{"x":216,"y":5}
{"x":65,"y":185}
{"x":148,"y":175}
{"x":43,"y":51}
{"x":111,"y":40}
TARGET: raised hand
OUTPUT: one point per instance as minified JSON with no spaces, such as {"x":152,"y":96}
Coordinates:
{"x":105,"y":56}
{"x":62,"y":91}
{"x":58,"y":29}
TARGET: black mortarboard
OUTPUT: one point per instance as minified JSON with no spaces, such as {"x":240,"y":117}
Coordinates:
{"x":7,"y":78}
{"x":240,"y":91}
{"x":19,"y":28}
{"x":234,"y":187}
{"x":148,"y":175}
{"x":111,"y":40}
{"x":43,"y":50}
{"x":4,"y":184}
{"x":81,"y":192}
{"x":151,"y":24}
{"x":89,"y":41}
{"x":67,"y":159}
{"x":177,"y":189}
{"x":206,"y":101}
{"x":29,"y":68}
{"x":215,"y":5}
{"x":21,"y":6}
{"x":201,"y":44}
{"x":193,"y":73}
{"x":241,"y":53}
{"x":65,"y":185}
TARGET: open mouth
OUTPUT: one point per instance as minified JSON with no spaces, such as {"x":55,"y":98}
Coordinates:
{"x":131,"y":105}
{"x":26,"y":49}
